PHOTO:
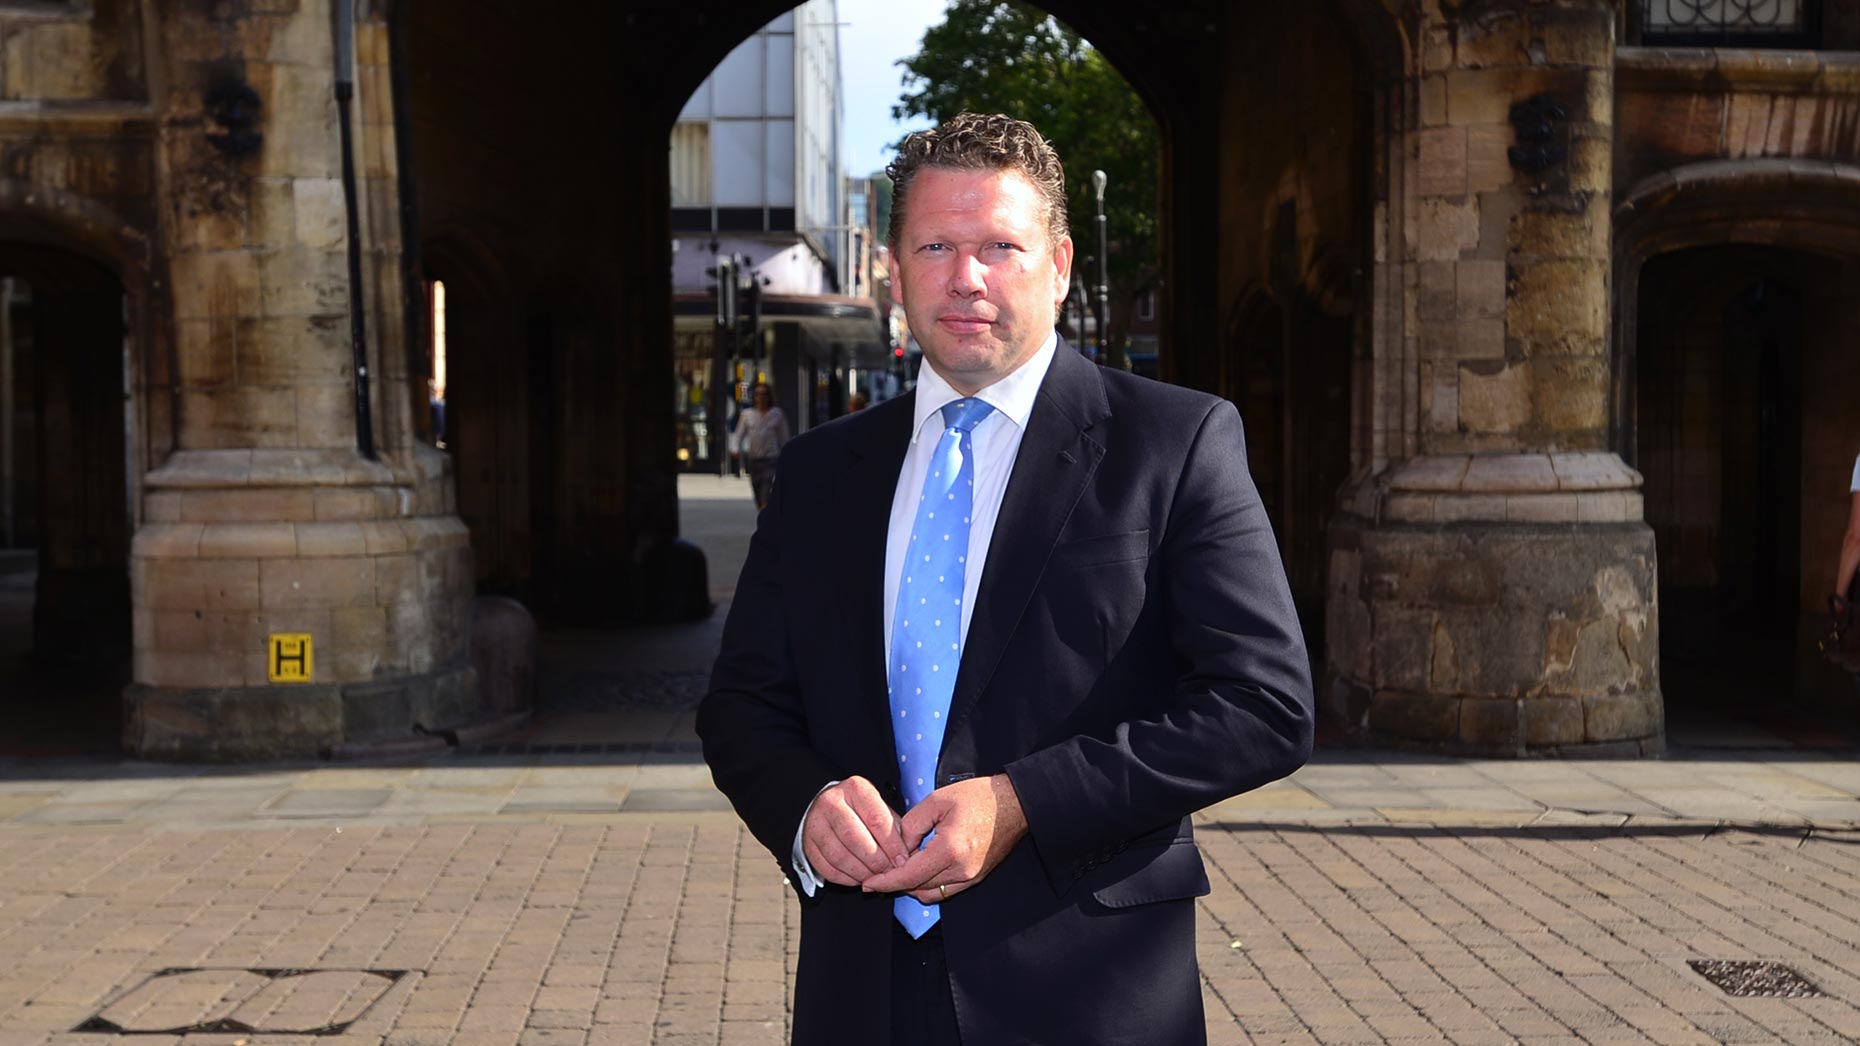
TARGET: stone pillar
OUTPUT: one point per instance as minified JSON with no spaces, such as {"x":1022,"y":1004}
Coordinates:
{"x":266,"y":519}
{"x":1492,"y":581}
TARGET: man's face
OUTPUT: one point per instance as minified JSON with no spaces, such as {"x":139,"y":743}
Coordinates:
{"x":763,"y":397}
{"x":980,"y":281}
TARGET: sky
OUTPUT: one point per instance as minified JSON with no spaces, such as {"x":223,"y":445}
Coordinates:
{"x":876,"y":34}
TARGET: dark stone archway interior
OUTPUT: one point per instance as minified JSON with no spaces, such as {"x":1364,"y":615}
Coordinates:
{"x":1744,"y":441}
{"x":64,"y":509}
{"x":541,"y":144}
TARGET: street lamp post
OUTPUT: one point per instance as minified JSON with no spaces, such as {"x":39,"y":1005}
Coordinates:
{"x":1104,"y":283}
{"x":1075,"y":311}
{"x":722,"y":365}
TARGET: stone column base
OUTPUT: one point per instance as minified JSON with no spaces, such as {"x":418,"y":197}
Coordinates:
{"x":241,"y":549}
{"x":1497,"y":605}
{"x":261,"y":723}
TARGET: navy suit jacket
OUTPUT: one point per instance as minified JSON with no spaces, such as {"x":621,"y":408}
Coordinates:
{"x":1133,"y":656}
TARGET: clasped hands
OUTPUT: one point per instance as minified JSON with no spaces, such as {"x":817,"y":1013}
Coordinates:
{"x":851,"y":837}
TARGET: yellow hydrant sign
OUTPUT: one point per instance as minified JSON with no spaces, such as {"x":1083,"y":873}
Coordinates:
{"x":290,"y":660}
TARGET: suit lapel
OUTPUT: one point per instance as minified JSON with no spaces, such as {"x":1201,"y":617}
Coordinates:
{"x":865,"y":491}
{"x":1055,"y":463}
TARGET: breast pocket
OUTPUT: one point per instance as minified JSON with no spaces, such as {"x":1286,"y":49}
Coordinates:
{"x":1101,"y":550}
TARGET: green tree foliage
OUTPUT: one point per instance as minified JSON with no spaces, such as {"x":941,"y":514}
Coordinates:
{"x":882,"y":219}
{"x":1000,"y":56}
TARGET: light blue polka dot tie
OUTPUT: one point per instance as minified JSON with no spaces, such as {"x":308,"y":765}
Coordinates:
{"x":926,"y":631}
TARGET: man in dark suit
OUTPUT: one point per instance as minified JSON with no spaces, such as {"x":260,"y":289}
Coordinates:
{"x":980,"y":781}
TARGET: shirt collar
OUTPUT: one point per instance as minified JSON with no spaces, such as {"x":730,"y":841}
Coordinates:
{"x":1012,"y":396}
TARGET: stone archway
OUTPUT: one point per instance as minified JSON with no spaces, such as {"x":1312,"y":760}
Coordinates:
{"x":605,"y":212}
{"x":486,"y":427}
{"x":1742,"y":421}
{"x":66,"y":502}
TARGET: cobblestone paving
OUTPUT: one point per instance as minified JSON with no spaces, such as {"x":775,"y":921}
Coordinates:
{"x":675,"y":929}
{"x":654,"y":690}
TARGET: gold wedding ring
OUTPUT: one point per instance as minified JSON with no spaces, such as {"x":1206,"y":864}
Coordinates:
{"x":942,"y":891}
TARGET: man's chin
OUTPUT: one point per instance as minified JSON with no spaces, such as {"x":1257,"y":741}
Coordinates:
{"x":967,"y":368}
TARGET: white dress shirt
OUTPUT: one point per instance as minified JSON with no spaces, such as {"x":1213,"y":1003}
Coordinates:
{"x":1855,"y":488}
{"x":996,"y":440}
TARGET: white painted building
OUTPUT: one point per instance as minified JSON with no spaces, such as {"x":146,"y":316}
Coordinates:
{"x":755,"y":172}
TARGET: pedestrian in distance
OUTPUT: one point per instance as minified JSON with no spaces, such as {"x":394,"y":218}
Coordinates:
{"x":993,"y":644}
{"x":1842,"y":644}
{"x":1850,"y":542}
{"x":761,"y":433}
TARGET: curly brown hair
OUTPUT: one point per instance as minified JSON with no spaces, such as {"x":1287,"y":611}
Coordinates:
{"x":977,"y":142}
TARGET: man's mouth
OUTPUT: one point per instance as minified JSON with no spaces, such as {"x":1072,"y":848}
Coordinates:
{"x":964,"y":324}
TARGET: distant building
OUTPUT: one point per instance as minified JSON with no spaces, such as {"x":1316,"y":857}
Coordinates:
{"x":755,"y":174}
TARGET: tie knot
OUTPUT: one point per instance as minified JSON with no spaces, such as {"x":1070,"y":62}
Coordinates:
{"x":964,"y":414}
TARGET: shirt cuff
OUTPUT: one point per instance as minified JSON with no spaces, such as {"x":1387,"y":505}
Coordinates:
{"x":803,"y":871}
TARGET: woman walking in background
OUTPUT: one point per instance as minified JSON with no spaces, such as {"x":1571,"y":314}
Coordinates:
{"x":1850,"y":545}
{"x":760,"y":433}
{"x":1843,"y":645}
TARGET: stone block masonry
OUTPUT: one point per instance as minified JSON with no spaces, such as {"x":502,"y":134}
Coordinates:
{"x":1492,"y":586}
{"x":249,"y":543}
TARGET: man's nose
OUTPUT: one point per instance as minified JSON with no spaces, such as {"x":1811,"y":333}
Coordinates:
{"x":969,"y":277}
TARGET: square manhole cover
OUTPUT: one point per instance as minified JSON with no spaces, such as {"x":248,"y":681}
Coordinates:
{"x":277,"y":1002}
{"x":1770,"y":980}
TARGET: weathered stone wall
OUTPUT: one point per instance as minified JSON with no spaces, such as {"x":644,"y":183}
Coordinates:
{"x":257,"y":243}
{"x":1677,"y":107}
{"x":1492,"y":584}
{"x":1511,"y":300}
{"x":1500,"y":638}
{"x":86,"y":52}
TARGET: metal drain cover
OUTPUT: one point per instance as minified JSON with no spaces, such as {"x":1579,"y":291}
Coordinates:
{"x":1770,"y":980}
{"x":230,"y":1001}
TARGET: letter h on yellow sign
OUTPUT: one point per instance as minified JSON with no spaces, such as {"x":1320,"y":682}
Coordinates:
{"x":290,"y":659}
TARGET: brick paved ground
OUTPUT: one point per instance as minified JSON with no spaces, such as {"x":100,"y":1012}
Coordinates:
{"x":528,"y":896}
{"x":675,"y":929}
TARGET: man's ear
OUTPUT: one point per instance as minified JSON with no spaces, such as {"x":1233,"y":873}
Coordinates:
{"x":1062,"y":269}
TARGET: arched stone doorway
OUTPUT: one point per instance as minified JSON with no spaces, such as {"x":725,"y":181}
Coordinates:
{"x":65,"y":499}
{"x":483,"y":415}
{"x":1297,"y":260}
{"x":1740,"y":417}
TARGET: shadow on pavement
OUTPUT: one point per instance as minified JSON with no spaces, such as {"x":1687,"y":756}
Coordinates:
{"x":1566,"y":832}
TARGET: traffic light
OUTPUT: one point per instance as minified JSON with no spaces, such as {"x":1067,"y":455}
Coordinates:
{"x":752,"y":288}
{"x":726,"y":292}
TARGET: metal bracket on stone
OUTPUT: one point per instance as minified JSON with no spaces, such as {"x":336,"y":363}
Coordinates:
{"x":1538,"y":124}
